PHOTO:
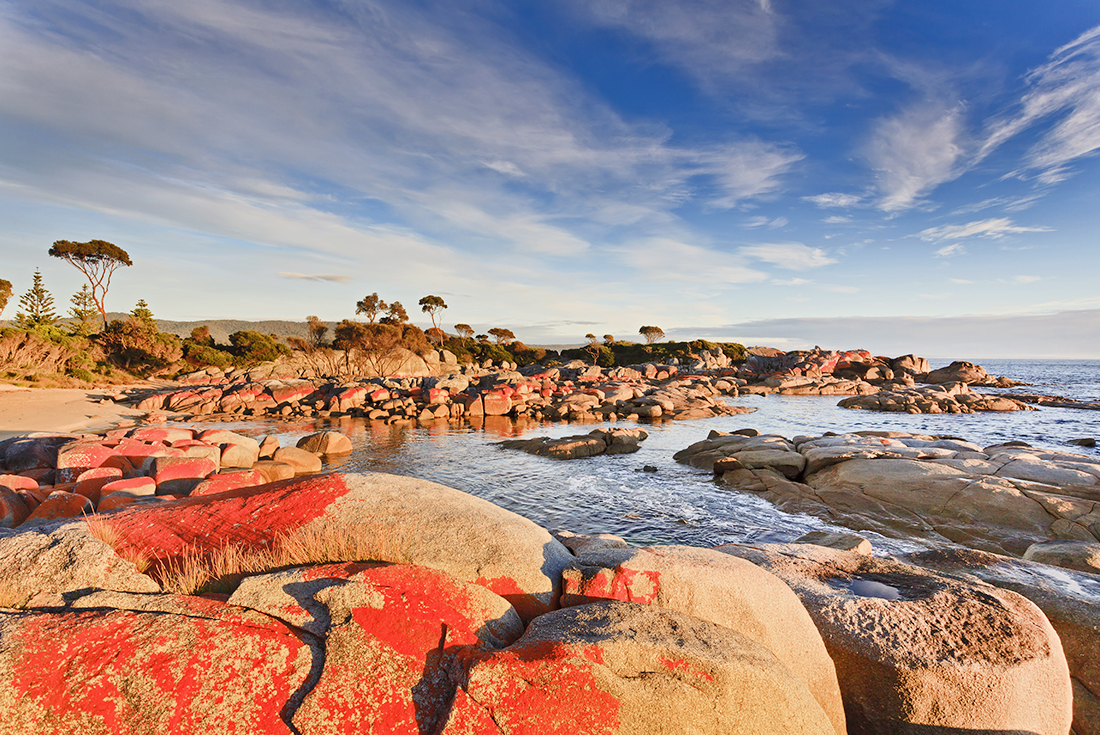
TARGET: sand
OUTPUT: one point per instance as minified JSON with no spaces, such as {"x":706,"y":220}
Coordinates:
{"x":62,"y":410}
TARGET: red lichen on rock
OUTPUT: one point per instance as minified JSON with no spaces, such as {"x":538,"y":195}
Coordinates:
{"x":125,"y":672}
{"x":629,"y":585}
{"x":543,"y":688}
{"x":250,"y":517}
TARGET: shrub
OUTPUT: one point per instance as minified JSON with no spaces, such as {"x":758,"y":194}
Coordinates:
{"x":251,"y":347}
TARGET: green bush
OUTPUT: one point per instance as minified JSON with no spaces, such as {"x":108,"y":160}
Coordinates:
{"x":82,"y":374}
{"x":251,"y":347}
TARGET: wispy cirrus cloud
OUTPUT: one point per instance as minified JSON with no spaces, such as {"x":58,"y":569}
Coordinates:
{"x":662,"y":259}
{"x":834,"y":199}
{"x":711,"y":39}
{"x":330,"y":277}
{"x":787,"y":255}
{"x":1065,"y":90}
{"x":915,"y":151}
{"x":993,"y":229}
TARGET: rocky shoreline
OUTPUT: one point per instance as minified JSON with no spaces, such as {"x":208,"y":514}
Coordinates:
{"x":542,"y":629}
{"x":441,"y":389}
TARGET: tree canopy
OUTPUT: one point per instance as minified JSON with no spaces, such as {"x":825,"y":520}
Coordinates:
{"x":97,"y":260}
{"x":465,"y":331}
{"x":433,"y":306}
{"x":371,"y":306}
{"x":82,"y":312}
{"x":395,"y":315}
{"x":651,"y":334}
{"x":502,"y":335}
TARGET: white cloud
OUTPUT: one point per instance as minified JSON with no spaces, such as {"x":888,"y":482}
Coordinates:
{"x":993,"y":229}
{"x":788,"y":255}
{"x":1067,"y":90}
{"x":748,"y":170}
{"x":834,"y":199}
{"x":713,"y":40}
{"x":836,"y":220}
{"x":1009,"y":204}
{"x":661,"y":259}
{"x":949,"y":250}
{"x":841,"y":289}
{"x":960,"y":281}
{"x":915,"y":151}
{"x":791,"y":282}
{"x":331,"y":277}
{"x":1026,"y":279}
{"x":771,"y":224}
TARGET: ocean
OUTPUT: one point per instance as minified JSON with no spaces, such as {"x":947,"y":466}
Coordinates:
{"x":679,"y":504}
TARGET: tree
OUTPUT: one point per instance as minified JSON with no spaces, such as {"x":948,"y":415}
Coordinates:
{"x":144,"y":314}
{"x":465,"y":331}
{"x":502,"y":335}
{"x":593,"y":347}
{"x":83,"y":312}
{"x":37,"y":305}
{"x":395,"y":315}
{"x":482,"y":338}
{"x":317,"y":331}
{"x":371,"y":306}
{"x":97,"y":260}
{"x":437,"y":335}
{"x":5,"y":294}
{"x":609,"y":339}
{"x":433,"y":306}
{"x":651,"y":334}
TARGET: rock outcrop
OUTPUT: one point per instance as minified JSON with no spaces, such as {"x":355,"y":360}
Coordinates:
{"x":916,"y":651}
{"x":1001,"y":499}
{"x":447,"y":620}
{"x":598,"y":442}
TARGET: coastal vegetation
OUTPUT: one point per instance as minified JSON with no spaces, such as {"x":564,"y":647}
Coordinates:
{"x":88,"y":344}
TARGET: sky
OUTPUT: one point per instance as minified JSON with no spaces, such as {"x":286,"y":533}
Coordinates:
{"x":912,"y":176}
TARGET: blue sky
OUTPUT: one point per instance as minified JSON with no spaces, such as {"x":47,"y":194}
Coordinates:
{"x":754,"y":170}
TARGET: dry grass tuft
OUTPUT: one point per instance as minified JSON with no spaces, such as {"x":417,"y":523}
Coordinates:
{"x":101,"y":529}
{"x":222,"y":569}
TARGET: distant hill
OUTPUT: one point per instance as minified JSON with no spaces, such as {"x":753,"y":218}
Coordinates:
{"x":220,"y":329}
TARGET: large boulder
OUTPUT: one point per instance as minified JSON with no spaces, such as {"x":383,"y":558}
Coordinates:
{"x":916,"y":651}
{"x":404,"y":629}
{"x":182,"y":665}
{"x":1070,"y":600}
{"x":913,"y":498}
{"x":721,"y":589}
{"x":615,"y":667}
{"x":600,"y":441}
{"x":62,"y":557}
{"x":406,"y":520}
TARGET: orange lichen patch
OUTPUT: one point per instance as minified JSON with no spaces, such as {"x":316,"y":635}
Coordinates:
{"x":682,"y":666}
{"x":250,"y":517}
{"x":127,"y":672}
{"x":61,"y":504}
{"x":543,"y":688}
{"x":526,"y":604}
{"x":580,"y":587}
{"x":406,"y":629}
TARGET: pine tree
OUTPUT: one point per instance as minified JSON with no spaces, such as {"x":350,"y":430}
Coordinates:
{"x":37,"y":305}
{"x":143,"y":314}
{"x":83,"y":312}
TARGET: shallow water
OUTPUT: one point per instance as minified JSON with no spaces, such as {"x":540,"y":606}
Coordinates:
{"x":676,"y":504}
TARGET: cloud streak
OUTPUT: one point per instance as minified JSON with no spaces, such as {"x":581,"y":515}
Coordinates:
{"x":992,"y":229}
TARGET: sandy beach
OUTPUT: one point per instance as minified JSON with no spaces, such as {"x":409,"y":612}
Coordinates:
{"x":23,"y":410}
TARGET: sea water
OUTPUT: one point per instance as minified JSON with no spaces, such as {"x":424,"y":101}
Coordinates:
{"x":680,"y":504}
